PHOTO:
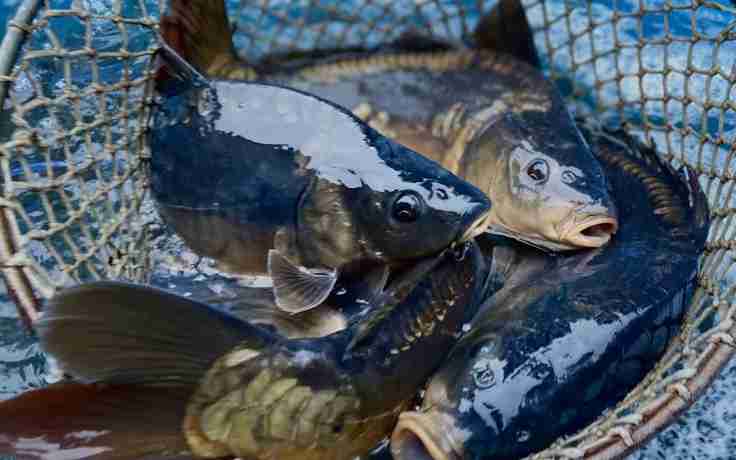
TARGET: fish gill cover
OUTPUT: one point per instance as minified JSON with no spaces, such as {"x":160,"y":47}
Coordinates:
{"x":72,"y":127}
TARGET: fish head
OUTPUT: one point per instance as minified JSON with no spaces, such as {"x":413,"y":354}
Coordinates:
{"x":453,"y":421}
{"x":426,"y":210}
{"x":396,"y":209}
{"x":547,"y":188}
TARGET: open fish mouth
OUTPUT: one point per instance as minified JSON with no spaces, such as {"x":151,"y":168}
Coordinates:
{"x":592,"y":232}
{"x":478,"y":227}
{"x":422,"y":436}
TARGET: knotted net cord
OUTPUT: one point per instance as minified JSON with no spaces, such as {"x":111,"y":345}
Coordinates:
{"x":72,"y":150}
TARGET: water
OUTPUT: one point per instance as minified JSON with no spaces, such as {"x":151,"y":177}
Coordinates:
{"x":708,"y":429}
{"x":7,"y":9}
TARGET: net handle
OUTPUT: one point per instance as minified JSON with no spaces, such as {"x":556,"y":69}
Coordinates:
{"x":17,"y":283}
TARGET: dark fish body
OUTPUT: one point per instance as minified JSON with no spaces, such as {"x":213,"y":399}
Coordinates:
{"x":256,"y":170}
{"x":217,"y":387}
{"x":355,"y":397}
{"x":479,"y":107}
{"x":546,"y":356}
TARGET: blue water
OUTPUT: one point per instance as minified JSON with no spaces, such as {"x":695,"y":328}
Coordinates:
{"x":706,"y":431}
{"x":7,"y":9}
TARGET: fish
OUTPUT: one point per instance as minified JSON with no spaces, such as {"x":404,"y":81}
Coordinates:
{"x":546,"y":355}
{"x":455,"y":106}
{"x":157,"y":375}
{"x":267,"y":179}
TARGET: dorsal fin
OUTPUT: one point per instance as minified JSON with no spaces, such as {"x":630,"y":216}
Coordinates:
{"x":174,"y":74}
{"x":199,"y":31}
{"x":506,"y":29}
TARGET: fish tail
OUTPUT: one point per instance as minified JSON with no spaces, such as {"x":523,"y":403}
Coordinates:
{"x":76,"y":421}
{"x":123,"y":333}
{"x":199,"y":31}
{"x":506,"y":29}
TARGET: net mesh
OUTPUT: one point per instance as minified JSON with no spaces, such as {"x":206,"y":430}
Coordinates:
{"x":73,"y":154}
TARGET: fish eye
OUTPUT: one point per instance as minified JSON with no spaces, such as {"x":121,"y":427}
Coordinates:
{"x":538,"y":170}
{"x":569,"y":177}
{"x":441,"y":193}
{"x":407,"y":207}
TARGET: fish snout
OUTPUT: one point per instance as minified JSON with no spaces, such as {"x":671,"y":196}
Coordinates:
{"x":425,"y":436}
{"x":591,"y":226}
{"x":475,"y":220}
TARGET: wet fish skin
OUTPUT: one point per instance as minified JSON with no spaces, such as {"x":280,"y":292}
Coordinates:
{"x":257,"y":167}
{"x":221,"y":387}
{"x":491,"y":119}
{"x":343,"y":404}
{"x":545,"y":356}
{"x":445,"y":104}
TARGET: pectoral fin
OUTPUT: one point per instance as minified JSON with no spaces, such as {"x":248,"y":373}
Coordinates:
{"x":298,"y":288}
{"x":506,"y":29}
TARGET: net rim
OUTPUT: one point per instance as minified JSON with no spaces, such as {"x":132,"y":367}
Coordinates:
{"x":18,"y":284}
{"x":611,"y":442}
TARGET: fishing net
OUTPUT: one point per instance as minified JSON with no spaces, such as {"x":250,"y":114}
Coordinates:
{"x":74,"y":79}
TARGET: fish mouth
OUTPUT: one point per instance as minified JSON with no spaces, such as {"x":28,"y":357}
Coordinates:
{"x":478,"y":226}
{"x":423,"y":436}
{"x":592,"y":232}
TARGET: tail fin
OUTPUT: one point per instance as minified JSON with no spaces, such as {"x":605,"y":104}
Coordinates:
{"x":123,"y":333}
{"x":199,"y":31}
{"x":104,"y":422}
{"x":506,"y":29}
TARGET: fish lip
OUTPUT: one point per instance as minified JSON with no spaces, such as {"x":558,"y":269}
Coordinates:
{"x":422,"y":436}
{"x":575,"y":234}
{"x":477,"y":227}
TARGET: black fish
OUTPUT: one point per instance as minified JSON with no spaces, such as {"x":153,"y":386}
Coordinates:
{"x":489,"y":108}
{"x":544,"y":357}
{"x":162,"y":376}
{"x":269,"y":179}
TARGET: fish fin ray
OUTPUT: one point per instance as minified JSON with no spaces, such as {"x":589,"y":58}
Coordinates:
{"x":199,"y":31}
{"x":297,"y":289}
{"x":506,"y":29}
{"x":124,"y":333}
{"x":105,"y":422}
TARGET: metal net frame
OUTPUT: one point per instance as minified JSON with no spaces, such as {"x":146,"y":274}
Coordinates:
{"x":72,"y":150}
